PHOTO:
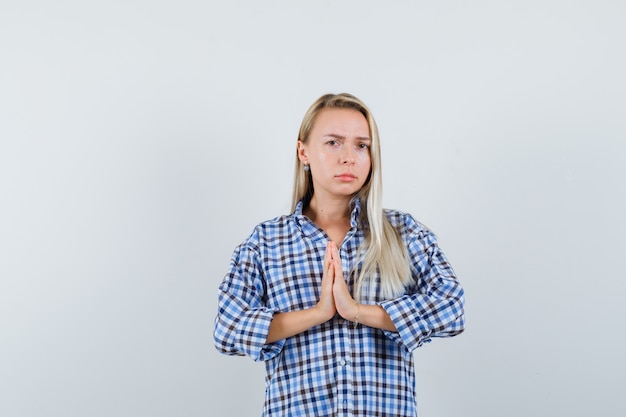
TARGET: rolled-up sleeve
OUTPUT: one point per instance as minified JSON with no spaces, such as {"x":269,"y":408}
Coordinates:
{"x":435,"y":307}
{"x":243,"y":321}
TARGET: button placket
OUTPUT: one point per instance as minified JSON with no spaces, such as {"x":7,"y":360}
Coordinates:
{"x":345,"y":381}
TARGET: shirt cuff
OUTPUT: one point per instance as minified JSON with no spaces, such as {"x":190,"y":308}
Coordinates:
{"x":412,"y":333}
{"x":255,"y":330}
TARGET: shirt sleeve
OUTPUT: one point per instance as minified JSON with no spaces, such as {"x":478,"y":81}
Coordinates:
{"x":435,"y":308}
{"x":243,"y":320}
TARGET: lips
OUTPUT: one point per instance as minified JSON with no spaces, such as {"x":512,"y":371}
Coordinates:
{"x":346,"y":177}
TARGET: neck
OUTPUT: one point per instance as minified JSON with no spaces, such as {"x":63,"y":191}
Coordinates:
{"x":328,"y":211}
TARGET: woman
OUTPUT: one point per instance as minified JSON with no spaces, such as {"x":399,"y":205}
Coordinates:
{"x":336,"y":296}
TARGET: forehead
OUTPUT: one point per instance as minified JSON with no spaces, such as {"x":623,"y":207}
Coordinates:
{"x":347,"y":122}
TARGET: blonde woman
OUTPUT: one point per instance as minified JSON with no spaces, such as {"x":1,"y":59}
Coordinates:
{"x":336,"y":296}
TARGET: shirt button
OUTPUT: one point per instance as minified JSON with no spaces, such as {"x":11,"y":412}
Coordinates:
{"x":342,"y":362}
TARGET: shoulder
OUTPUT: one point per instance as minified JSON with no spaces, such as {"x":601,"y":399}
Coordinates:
{"x":275,"y":224}
{"x":402,"y":220}
{"x":270,"y":230}
{"x":263,"y":236}
{"x":406,"y":224}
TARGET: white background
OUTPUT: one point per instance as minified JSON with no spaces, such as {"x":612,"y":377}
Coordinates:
{"x":140,"y":141}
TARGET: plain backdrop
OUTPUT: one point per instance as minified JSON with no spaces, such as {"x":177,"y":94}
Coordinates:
{"x":141,"y":141}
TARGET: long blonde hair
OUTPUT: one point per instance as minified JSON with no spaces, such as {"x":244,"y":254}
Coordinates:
{"x":383,"y":250}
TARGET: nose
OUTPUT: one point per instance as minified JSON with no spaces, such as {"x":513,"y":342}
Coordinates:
{"x":347,"y":157}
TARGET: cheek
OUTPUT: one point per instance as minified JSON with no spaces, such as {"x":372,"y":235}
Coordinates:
{"x":364,"y":160}
{"x":326,"y":157}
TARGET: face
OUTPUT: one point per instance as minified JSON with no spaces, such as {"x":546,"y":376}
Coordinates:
{"x":337,"y":152}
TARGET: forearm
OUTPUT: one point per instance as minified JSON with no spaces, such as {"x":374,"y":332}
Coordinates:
{"x":373,"y":316}
{"x":291,"y":323}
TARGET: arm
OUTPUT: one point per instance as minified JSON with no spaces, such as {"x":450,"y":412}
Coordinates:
{"x":291,"y":323}
{"x":243,"y":320}
{"x":369,"y":315}
{"x":245,"y":326}
{"x":435,"y":308}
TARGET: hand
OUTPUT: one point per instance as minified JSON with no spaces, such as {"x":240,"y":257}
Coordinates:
{"x":326,"y":303}
{"x":346,"y":305}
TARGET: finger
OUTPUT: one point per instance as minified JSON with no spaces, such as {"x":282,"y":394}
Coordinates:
{"x":337,"y":266}
{"x":328,"y":263}
{"x":329,"y":273}
{"x":340,"y":283}
{"x":330,"y":247}
{"x":335,"y":252}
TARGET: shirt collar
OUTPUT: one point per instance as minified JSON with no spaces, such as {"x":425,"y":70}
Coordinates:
{"x":309,"y":228}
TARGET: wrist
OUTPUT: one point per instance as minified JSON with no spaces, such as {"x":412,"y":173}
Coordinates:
{"x":322,"y":314}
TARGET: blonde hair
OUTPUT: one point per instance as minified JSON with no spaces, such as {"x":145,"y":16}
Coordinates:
{"x":383,"y":250}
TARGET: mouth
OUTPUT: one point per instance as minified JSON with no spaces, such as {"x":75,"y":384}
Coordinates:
{"x":346,"y":177}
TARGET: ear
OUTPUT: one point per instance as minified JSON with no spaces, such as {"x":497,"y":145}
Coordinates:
{"x":303,"y":153}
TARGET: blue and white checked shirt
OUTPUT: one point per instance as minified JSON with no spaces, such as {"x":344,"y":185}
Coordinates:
{"x":333,"y":369}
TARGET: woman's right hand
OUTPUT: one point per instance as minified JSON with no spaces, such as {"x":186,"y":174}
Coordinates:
{"x":326,"y":303}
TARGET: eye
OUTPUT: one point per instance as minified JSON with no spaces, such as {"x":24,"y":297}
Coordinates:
{"x":364,"y":146}
{"x":332,"y":142}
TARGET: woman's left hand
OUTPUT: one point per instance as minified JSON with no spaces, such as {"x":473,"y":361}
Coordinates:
{"x":345,"y":304}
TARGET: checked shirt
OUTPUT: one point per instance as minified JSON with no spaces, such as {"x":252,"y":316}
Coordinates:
{"x":333,"y":369}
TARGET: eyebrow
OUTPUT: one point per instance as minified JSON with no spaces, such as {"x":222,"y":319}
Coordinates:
{"x":336,"y":136}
